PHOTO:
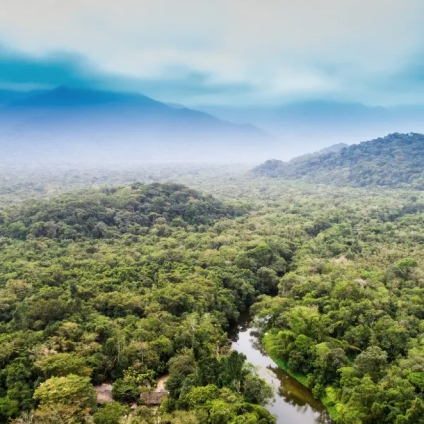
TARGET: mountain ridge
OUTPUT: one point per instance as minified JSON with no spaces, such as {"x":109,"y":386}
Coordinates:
{"x":68,"y":98}
{"x":394,"y":161}
{"x":81,"y":122}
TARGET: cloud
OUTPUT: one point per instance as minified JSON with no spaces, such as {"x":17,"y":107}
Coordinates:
{"x":49,"y":71}
{"x":229,"y":51}
{"x":23,"y":72}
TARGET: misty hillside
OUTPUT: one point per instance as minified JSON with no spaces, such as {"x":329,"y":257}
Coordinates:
{"x":73,"y":106}
{"x":83,"y":123}
{"x":393,"y":161}
{"x":317,"y":113}
{"x":331,"y":149}
{"x":306,"y":126}
{"x":314,"y":122}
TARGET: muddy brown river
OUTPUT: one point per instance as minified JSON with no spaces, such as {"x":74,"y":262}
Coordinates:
{"x":294,"y":403}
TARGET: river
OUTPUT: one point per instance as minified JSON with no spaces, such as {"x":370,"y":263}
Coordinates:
{"x":294,"y":403}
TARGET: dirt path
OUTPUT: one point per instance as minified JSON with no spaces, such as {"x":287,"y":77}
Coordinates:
{"x":161,"y":383}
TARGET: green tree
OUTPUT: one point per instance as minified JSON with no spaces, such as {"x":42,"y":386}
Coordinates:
{"x":8,"y":409}
{"x":371,"y":362}
{"x":232,"y":370}
{"x":62,"y":364}
{"x":200,"y":396}
{"x":70,"y":391}
{"x":180,"y":367}
{"x":125,"y":391}
{"x":256,"y":390}
{"x":111,"y":413}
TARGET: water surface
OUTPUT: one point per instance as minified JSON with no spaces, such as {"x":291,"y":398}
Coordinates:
{"x":294,"y":403}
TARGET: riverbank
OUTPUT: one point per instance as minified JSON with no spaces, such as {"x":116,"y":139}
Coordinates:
{"x":294,"y":403}
{"x":328,"y":401}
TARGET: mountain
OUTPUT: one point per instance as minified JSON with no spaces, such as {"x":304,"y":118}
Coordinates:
{"x":393,"y":161}
{"x":305,"y":126}
{"x":7,"y":96}
{"x":278,"y":115}
{"x":175,"y":105}
{"x":332,"y":149}
{"x":323,"y":116}
{"x":84,"y":104}
{"x":85,"y":123}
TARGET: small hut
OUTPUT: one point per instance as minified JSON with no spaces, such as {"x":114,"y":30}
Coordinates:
{"x":153,"y":398}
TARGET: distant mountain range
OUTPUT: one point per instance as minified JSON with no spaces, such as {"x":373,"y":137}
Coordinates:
{"x":318,"y":112}
{"x":393,"y":161}
{"x":102,"y":124}
{"x":134,"y":107}
{"x":73,"y":124}
{"x":309,"y":125}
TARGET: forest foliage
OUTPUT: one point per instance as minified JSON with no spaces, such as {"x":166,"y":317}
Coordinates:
{"x":394,"y":161}
{"x":349,"y":315}
{"x":124,"y":284}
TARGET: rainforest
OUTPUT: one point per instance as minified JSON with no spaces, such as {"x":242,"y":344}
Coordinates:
{"x":123,"y":281}
{"x":211,"y":212}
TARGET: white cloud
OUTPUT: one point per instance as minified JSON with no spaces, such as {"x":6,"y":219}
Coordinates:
{"x":282,"y":47}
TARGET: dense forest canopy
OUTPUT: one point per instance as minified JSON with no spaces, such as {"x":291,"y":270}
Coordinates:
{"x":149,"y":292}
{"x":393,"y":161}
{"x":124,"y":284}
{"x":104,"y":213}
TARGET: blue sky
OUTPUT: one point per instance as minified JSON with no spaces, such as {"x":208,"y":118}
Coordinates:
{"x":223,"y":52}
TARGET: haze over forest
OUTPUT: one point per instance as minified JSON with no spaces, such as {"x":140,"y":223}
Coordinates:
{"x":211,"y":212}
{"x":265,"y":96}
{"x":86,"y":125}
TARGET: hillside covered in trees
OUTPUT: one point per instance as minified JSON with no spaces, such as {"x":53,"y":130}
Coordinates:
{"x":393,"y":161}
{"x":108,"y":212}
{"x":125,"y":284}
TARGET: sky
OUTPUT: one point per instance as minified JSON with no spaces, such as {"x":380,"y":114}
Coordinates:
{"x":220,"y":52}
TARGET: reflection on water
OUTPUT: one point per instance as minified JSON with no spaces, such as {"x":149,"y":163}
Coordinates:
{"x":294,"y":403}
